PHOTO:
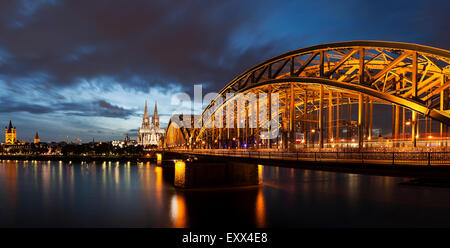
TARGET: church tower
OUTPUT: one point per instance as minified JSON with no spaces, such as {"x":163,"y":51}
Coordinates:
{"x":36,"y":138}
{"x":146,"y":119}
{"x":10,"y":134}
{"x":155,"y":117}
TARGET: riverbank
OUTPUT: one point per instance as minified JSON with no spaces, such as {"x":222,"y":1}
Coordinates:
{"x":76,"y":158}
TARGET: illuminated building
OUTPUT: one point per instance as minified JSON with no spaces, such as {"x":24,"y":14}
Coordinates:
{"x":36,"y":138}
{"x":150,"y":134}
{"x":124,"y":143}
{"x":10,"y":134}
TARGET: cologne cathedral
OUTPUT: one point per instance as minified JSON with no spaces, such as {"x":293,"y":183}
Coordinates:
{"x":149,"y":134}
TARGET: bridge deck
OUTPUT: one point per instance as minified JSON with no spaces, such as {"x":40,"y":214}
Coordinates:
{"x":381,"y":158}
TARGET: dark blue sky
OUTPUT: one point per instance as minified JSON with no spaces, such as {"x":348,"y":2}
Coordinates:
{"x":84,"y":68}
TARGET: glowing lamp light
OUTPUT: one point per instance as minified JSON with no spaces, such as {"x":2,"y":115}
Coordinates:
{"x":158,"y":156}
{"x":180,"y":163}
{"x":303,"y":141}
{"x":331,"y":139}
{"x":369,"y":138}
{"x":408,"y":123}
{"x":353,"y":140}
{"x":430,"y":137}
{"x":313,"y":131}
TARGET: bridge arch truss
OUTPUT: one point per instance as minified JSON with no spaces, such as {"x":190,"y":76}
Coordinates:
{"x":326,"y":97}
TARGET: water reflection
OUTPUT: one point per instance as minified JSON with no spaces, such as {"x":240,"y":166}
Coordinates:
{"x":111,"y":194}
{"x":178,"y":211}
{"x":260,"y":210}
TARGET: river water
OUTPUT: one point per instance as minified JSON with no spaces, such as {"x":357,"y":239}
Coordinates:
{"x":54,"y":194}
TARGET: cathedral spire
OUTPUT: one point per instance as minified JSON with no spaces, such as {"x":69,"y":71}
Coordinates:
{"x":155,"y":117}
{"x":146,"y":119}
{"x":155,"y":113}
{"x":10,"y":128}
{"x":146,"y":110}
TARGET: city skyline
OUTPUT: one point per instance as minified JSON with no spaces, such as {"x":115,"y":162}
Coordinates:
{"x":133,"y":133}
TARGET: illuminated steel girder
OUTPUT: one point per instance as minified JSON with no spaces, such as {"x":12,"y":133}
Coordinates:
{"x":409,"y":76}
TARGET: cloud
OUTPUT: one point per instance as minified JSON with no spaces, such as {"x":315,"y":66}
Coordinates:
{"x":186,"y":42}
{"x":99,"y":108}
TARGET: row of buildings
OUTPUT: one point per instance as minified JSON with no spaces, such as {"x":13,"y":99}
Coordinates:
{"x":150,"y":134}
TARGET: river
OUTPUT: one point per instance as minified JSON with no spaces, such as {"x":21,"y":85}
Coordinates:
{"x":110,"y":194}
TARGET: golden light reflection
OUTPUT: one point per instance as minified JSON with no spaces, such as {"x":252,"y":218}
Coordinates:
{"x":260,"y":209}
{"x":60,"y":179}
{"x":45,"y":173}
{"x":159,"y":185}
{"x":11,"y":185}
{"x":260,"y":173}
{"x":158,"y":158}
{"x":127,"y":176}
{"x":158,"y":172}
{"x":147,"y":178}
{"x":178,"y":211}
{"x":116,"y":175}
{"x":353,"y":187}
{"x":180,"y":177}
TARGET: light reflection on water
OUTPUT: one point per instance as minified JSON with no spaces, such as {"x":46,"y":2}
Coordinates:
{"x":110,"y":194}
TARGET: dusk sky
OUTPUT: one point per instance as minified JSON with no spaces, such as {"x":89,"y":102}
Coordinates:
{"x":84,"y":69}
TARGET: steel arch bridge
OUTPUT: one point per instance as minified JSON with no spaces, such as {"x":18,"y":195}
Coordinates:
{"x":317,"y":87}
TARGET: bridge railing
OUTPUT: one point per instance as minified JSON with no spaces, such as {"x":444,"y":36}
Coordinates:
{"x":393,"y":158}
